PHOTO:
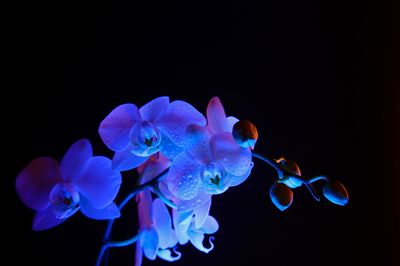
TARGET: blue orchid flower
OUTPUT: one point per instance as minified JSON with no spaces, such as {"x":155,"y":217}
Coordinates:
{"x":135,"y":134}
{"x":82,"y":182}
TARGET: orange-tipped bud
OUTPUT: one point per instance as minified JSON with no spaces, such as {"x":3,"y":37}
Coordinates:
{"x":336,"y":192}
{"x":245,"y":134}
{"x":281,"y":195}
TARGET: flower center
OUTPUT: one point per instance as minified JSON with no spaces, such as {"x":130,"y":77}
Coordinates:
{"x":146,"y":139}
{"x":64,"y":200}
{"x":214,"y":178}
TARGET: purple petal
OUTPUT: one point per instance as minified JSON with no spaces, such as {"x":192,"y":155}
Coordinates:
{"x":182,"y":221}
{"x":45,"y":219}
{"x":197,"y":143}
{"x":197,"y":240}
{"x":163,"y":224}
{"x":111,"y":211}
{"x":153,"y":110}
{"x":99,"y":184}
{"x":149,"y":242}
{"x":178,"y":116}
{"x":115,"y":128}
{"x":75,"y":159}
{"x":210,"y":225}
{"x":231,"y":120}
{"x":154,"y":166}
{"x":138,"y":254}
{"x":237,"y":180}
{"x":184,"y":177}
{"x":201,"y":213}
{"x":216,"y":117}
{"x":35,"y":182}
{"x":188,"y":205}
{"x":125,"y":160}
{"x":168,"y":148}
{"x":235,"y":159}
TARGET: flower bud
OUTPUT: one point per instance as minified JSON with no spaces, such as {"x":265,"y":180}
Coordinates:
{"x":293,"y":168}
{"x":335,"y":192}
{"x":245,"y":134}
{"x":281,"y":195}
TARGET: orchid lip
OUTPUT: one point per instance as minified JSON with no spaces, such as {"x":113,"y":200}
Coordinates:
{"x":64,"y":200}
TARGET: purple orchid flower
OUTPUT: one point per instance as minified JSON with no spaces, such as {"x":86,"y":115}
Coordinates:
{"x":157,"y":237}
{"x":211,"y":163}
{"x":135,"y":134}
{"x":82,"y":182}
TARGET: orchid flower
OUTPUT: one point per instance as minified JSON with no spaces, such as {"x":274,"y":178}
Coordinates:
{"x":135,"y":134}
{"x":157,"y":236}
{"x":82,"y":182}
{"x":187,"y":230}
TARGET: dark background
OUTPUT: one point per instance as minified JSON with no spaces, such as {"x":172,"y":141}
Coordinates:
{"x":318,"y":78}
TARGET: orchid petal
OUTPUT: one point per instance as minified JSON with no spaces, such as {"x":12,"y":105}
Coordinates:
{"x":210,"y":226}
{"x":149,"y":241}
{"x":188,"y":205}
{"x":197,"y":143}
{"x":45,"y":219}
{"x":231,"y":120}
{"x":237,"y":180}
{"x":197,"y":240}
{"x":154,"y":166}
{"x":168,"y":148}
{"x":162,"y":223}
{"x":166,"y":254}
{"x":182,"y":221}
{"x":201,"y":214}
{"x":235,"y":159}
{"x":99,"y":184}
{"x":75,"y":159}
{"x":175,"y":120}
{"x":35,"y":182}
{"x":216,"y":116}
{"x":111,"y":211}
{"x":115,"y":128}
{"x":125,"y":160}
{"x":145,"y":209}
{"x":154,"y":109}
{"x":184,"y":177}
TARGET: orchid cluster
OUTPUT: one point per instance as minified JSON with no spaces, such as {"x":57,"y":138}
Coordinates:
{"x":182,"y":158}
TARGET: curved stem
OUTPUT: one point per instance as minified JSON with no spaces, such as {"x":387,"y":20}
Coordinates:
{"x":148,"y":184}
{"x":275,"y":164}
{"x":112,"y":244}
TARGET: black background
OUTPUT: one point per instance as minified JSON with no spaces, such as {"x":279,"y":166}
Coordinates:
{"x":318,"y":78}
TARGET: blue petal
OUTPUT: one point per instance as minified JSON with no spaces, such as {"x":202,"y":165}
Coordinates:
{"x":237,"y":180}
{"x":138,"y":254}
{"x":125,"y":160}
{"x":188,"y":205}
{"x":184,"y":177}
{"x":115,"y":128}
{"x":153,"y":110}
{"x":166,"y":254}
{"x":231,"y":120}
{"x":201,"y":213}
{"x":75,"y":159}
{"x":149,"y":242}
{"x":111,"y":211}
{"x":235,"y":159}
{"x":216,"y":117}
{"x":99,"y":184}
{"x":168,"y":148}
{"x":178,"y":116}
{"x":35,"y":182}
{"x":210,"y":226}
{"x":45,"y":219}
{"x":163,"y":224}
{"x":197,"y":240}
{"x":182,"y":222}
{"x":197,"y":143}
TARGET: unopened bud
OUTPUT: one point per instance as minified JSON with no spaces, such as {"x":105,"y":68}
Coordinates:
{"x":335,"y":192}
{"x":245,"y":134}
{"x":281,"y":195}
